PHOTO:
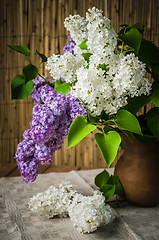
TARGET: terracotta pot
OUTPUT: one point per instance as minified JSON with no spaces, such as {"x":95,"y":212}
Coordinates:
{"x":138,"y":171}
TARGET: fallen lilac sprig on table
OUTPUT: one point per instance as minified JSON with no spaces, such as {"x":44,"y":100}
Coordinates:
{"x":86,"y":212}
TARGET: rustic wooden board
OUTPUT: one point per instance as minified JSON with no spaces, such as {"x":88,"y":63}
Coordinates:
{"x":7,"y":169}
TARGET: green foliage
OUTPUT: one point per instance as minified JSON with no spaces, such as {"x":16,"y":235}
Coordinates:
{"x":106,"y":129}
{"x":19,"y":89}
{"x":63,"y":88}
{"x":21,"y":49}
{"x":83,"y":45}
{"x":108,"y":144}
{"x":136,"y":103}
{"x":155,"y":70}
{"x":148,"y":53}
{"x":93,"y":120}
{"x":109,"y":185}
{"x":79,"y":129}
{"x":127,"y":121}
{"x":86,"y":56}
{"x":103,"y":66}
{"x":30,"y":72}
{"x":108,"y":191}
{"x":43,"y":57}
{"x":129,"y":135}
{"x":153,"y":121}
{"x":138,"y":26}
{"x":155,"y":97}
{"x":126,"y":27}
{"x":57,"y":83}
{"x":132,"y":38}
{"x":114,"y":180}
{"x":101,"y":179}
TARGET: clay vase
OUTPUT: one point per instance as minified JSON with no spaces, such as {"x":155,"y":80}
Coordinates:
{"x":138,"y":171}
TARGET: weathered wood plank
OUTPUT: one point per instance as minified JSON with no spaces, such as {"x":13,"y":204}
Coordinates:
{"x":7,"y":169}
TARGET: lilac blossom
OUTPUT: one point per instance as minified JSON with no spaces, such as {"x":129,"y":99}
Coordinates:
{"x":52,"y":117}
{"x":69,"y":47}
{"x":43,"y":152}
{"x":25,"y":149}
{"x":28,"y":169}
{"x":38,"y":83}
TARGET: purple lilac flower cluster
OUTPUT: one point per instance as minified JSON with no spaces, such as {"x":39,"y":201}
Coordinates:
{"x":38,"y":83}
{"x":52,"y":117}
{"x":69,"y":46}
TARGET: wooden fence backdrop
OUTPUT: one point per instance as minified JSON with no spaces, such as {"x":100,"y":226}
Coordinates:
{"x":38,"y":24}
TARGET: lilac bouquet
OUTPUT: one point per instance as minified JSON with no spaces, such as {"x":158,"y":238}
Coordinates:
{"x":97,"y":83}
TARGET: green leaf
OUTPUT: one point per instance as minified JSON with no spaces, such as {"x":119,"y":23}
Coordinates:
{"x":106,"y":128}
{"x":86,"y":56}
{"x":101,"y":179}
{"x":43,"y":57}
{"x":155,"y":68}
{"x":148,"y":53}
{"x":79,"y":129}
{"x":126,"y":28}
{"x":155,"y":97}
{"x":30,"y":72}
{"x":21,"y":49}
{"x":132,"y":38}
{"x":16,"y":84}
{"x":153,"y":121}
{"x":92,"y":120}
{"x":108,"y":144}
{"x":114,"y":180}
{"x":127,"y":121}
{"x":129,"y":135}
{"x":103,"y":66}
{"x":57,"y":83}
{"x":138,"y":26}
{"x":83,"y":45}
{"x":155,"y":85}
{"x":108,"y":190}
{"x":63,"y":88}
{"x":136,"y":103}
{"x":26,"y":90}
{"x":19,"y":89}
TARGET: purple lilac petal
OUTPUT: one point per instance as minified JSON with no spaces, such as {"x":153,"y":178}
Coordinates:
{"x":38,"y":83}
{"x":50,"y":123}
{"x":43,"y":152}
{"x":25,"y":149}
{"x":28,"y":169}
{"x":69,"y":46}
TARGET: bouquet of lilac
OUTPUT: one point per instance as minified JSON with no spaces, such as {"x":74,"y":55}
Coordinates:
{"x":97,"y":83}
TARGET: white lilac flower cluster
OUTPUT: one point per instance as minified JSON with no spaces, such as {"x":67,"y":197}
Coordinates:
{"x":90,"y":212}
{"x":86,"y":212}
{"x":54,"y":201}
{"x":65,"y":66}
{"x":105,"y":80}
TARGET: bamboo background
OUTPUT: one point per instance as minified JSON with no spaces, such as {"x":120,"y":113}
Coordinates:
{"x":38,"y":24}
